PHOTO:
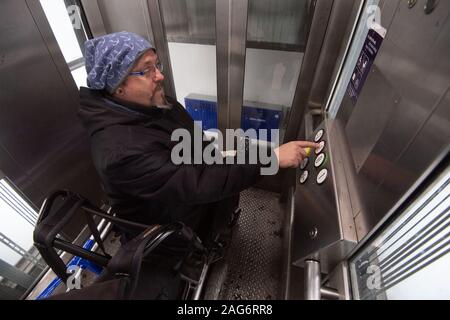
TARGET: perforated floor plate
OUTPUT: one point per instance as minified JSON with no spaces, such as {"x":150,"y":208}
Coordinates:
{"x":253,"y":264}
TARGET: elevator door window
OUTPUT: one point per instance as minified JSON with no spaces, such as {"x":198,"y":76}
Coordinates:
{"x":276,"y":40}
{"x":67,"y":26}
{"x":410,"y":258}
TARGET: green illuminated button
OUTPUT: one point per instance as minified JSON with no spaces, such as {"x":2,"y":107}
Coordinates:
{"x":320,"y":160}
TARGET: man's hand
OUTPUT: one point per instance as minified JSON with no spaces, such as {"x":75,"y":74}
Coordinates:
{"x":291,"y":155}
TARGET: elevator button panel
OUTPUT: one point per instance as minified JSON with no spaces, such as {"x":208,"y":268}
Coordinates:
{"x":319,"y":174}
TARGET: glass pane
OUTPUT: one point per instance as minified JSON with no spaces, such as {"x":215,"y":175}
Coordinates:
{"x":64,"y":17}
{"x":190,"y":26}
{"x":277,"y":24}
{"x":275,"y":48}
{"x":80,"y":77}
{"x":20,"y":262}
{"x":410,"y":258}
{"x":63,"y":28}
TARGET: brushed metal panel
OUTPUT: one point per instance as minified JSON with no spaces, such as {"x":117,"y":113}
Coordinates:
{"x":432,"y":141}
{"x":24,"y":106}
{"x":94,"y":17}
{"x":417,"y":63}
{"x":367,"y":122}
{"x":338,"y":24}
{"x":388,"y":9}
{"x":190,"y":21}
{"x":280,"y":25}
{"x":176,"y":20}
{"x":18,"y":176}
{"x":347,"y":55}
{"x":340,"y":280}
{"x":160,"y":42}
{"x":316,"y":36}
{"x":323,"y":223}
{"x":222,"y":61}
{"x":414,"y":75}
{"x":52,"y":45}
{"x":43,"y":145}
{"x":289,"y":212}
{"x":280,"y":22}
{"x":231,"y":30}
{"x":238,"y":51}
{"x":130,"y":15}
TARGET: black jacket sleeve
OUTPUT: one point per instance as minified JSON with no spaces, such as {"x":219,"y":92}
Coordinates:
{"x":154,"y":176}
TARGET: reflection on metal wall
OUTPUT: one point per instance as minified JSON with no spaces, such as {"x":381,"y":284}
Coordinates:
{"x":400,"y":124}
{"x":272,"y":24}
{"x":42,"y":144}
{"x":190,"y":21}
{"x":130,"y":15}
{"x":281,"y":24}
{"x":109,"y":16}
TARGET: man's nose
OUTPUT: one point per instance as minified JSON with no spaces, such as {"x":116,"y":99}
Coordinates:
{"x":159,"y":77}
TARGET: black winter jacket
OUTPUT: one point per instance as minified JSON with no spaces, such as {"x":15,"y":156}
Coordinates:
{"x":131,"y":149}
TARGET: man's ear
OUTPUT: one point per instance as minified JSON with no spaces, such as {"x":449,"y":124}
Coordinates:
{"x":120,"y":91}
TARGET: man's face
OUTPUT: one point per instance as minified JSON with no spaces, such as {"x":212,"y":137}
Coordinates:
{"x":146,"y":90}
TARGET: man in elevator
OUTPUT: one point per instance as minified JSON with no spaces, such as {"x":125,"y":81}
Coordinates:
{"x":130,"y":121}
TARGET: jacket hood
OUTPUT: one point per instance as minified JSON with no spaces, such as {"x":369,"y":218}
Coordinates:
{"x":99,"y":111}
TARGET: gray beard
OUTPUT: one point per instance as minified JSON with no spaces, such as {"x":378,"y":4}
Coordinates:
{"x":166,"y":107}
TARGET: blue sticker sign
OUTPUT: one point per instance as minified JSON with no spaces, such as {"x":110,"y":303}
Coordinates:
{"x":366,"y":59}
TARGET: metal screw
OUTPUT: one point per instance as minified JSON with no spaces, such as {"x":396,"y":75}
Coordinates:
{"x":412,"y":3}
{"x":313,"y":233}
{"x":430,"y":6}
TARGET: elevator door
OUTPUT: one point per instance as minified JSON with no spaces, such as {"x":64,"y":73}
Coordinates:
{"x":191,"y":38}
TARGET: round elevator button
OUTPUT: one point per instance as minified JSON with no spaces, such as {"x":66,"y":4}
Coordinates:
{"x":321,"y":147}
{"x":319,"y":160}
{"x":304,"y":177}
{"x":304,"y":164}
{"x":322,"y":176}
{"x":319,"y":135}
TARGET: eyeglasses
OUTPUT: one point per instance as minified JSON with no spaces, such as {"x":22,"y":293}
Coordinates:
{"x":151,"y":71}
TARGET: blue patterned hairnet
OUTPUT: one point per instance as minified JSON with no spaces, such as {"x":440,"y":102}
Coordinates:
{"x":110,"y":58}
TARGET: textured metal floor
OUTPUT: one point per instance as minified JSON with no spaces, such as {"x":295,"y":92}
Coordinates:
{"x":252,"y":267}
